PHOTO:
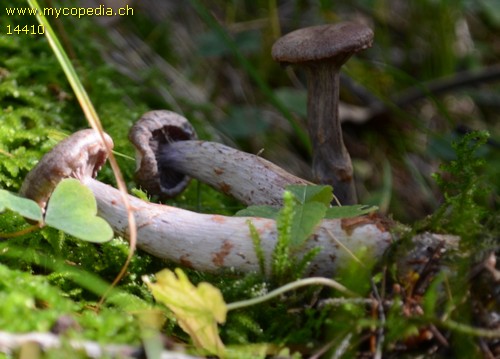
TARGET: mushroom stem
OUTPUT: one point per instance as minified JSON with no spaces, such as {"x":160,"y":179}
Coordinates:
{"x":331,"y":162}
{"x":248,"y":178}
{"x":168,"y":155}
{"x":213,"y":242}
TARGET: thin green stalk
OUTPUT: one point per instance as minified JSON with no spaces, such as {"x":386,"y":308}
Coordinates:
{"x":69,"y":70}
{"x":292,"y":286}
{"x":469,"y":330}
{"x":274,"y":18}
{"x":92,"y":118}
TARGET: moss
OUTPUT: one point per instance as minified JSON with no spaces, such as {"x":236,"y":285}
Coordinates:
{"x":40,"y":304}
{"x":466,"y":193}
{"x":31,"y":298}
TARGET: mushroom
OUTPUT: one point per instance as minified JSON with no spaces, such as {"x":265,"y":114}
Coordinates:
{"x":165,"y":159}
{"x":80,"y":156}
{"x":322,"y":50}
{"x":200,"y":241}
{"x":153,"y":131}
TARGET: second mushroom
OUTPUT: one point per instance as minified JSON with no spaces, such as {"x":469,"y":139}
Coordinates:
{"x":322,"y":50}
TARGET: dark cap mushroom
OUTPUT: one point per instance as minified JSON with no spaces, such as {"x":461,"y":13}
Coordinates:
{"x":79,"y":156}
{"x":322,"y":50}
{"x":153,"y":131}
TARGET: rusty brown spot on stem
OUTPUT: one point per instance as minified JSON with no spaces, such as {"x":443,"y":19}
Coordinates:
{"x":184,"y":260}
{"x":218,"y":219}
{"x":218,"y":258}
{"x":225,"y":188}
{"x":350,"y":224}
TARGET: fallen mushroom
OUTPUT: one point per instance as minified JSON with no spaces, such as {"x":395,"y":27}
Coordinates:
{"x":322,"y":50}
{"x":200,"y":241}
{"x":166,"y":157}
{"x":79,"y":156}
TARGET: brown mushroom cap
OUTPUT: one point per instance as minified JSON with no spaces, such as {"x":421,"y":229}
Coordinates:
{"x":80,"y":156}
{"x":323,"y":42}
{"x":153,"y":131}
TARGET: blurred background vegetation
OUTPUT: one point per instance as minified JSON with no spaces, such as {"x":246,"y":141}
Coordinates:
{"x":210,"y":60}
{"x":429,"y":77}
{"x":432,"y":75}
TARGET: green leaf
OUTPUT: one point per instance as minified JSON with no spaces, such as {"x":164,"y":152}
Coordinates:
{"x":197,"y":309}
{"x":312,"y":193}
{"x":25,"y":207}
{"x":258,"y":211}
{"x":72,"y":209}
{"x":349,"y":211}
{"x":305,"y":220}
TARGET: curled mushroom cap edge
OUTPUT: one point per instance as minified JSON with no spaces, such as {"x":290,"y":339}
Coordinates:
{"x":79,"y":156}
{"x":153,"y":131}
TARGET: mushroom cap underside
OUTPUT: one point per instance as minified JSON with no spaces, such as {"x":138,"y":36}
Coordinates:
{"x":154,"y":131}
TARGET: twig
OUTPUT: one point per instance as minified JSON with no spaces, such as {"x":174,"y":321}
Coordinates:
{"x":469,"y":330}
{"x":319,"y":353}
{"x":5,"y":153}
{"x":377,"y":108}
{"x":381,"y":314}
{"x":21,"y":232}
{"x":341,"y":349}
{"x":351,"y":301}
{"x":439,"y":337}
{"x":446,"y":84}
{"x":291,"y":286}
{"x":10,"y":342}
{"x":344,"y":247}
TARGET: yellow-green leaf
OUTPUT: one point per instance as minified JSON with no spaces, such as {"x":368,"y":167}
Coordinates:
{"x":197,"y":309}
